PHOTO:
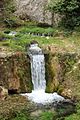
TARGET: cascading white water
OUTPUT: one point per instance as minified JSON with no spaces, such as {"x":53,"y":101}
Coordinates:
{"x":38,"y":94}
{"x":38,"y":72}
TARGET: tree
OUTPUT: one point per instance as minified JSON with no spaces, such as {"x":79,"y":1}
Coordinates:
{"x":70,"y":11}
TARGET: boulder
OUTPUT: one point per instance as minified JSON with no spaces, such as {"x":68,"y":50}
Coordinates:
{"x":35,"y":10}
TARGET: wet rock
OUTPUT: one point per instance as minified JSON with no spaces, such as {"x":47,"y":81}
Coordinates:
{"x":65,"y":108}
{"x":34,"y":49}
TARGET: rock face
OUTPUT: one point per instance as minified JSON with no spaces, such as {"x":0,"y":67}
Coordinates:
{"x":15,"y":72}
{"x":52,"y":73}
{"x":34,"y":10}
{"x":63,"y":72}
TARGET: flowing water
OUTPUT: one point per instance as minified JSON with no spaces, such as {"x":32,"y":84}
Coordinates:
{"x":38,"y":94}
{"x":38,"y":72}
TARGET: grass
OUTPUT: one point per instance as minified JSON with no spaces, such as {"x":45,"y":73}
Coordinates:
{"x":47,"y":116}
{"x":37,"y":30}
{"x":20,"y":40}
{"x":61,"y":39}
{"x":21,"y":116}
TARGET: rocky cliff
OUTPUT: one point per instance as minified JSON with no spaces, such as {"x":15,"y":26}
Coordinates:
{"x":34,"y":9}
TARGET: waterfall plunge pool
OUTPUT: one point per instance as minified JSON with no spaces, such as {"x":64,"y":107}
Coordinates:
{"x":40,"y":97}
{"x":38,"y":94}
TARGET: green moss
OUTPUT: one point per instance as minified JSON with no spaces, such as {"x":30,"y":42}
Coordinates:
{"x":51,"y":83}
{"x":60,"y":89}
{"x":48,"y":73}
{"x":24,"y":73}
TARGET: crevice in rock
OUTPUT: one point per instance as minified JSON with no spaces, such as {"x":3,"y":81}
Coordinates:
{"x":12,"y":91}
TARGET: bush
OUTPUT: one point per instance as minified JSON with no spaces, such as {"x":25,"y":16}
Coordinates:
{"x":8,"y":16}
{"x":69,"y":10}
{"x":12,"y":22}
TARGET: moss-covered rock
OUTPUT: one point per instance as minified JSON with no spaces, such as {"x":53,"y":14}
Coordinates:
{"x":52,"y":72}
{"x":69,"y":63}
{"x":72,"y":82}
{"x":15,"y":72}
{"x":62,"y":73}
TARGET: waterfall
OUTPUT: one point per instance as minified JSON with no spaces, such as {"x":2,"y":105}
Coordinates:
{"x":37,"y":68}
{"x":38,"y":94}
{"x":38,"y":72}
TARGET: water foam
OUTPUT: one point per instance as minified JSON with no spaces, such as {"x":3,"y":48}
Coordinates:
{"x":39,"y":96}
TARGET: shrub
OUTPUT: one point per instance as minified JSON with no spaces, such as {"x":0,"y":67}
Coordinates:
{"x":69,"y":10}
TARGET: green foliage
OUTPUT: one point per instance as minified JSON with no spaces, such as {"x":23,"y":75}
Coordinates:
{"x":8,"y":16}
{"x":47,"y":116}
{"x":37,"y":30}
{"x":60,"y":39}
{"x":67,"y":61}
{"x":4,"y":36}
{"x":70,"y":11}
{"x":12,"y":21}
{"x":22,"y":37}
{"x":21,"y":116}
{"x":9,"y":8}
